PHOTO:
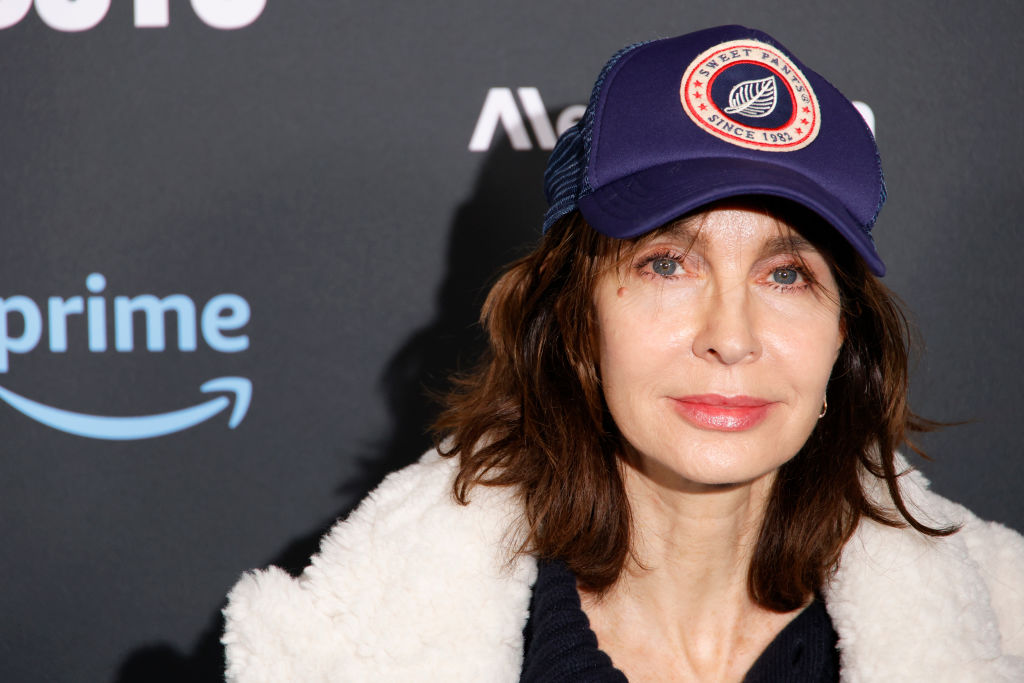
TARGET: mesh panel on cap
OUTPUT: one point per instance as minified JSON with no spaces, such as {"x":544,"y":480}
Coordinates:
{"x":565,"y":178}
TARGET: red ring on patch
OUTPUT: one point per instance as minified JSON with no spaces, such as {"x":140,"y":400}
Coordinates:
{"x":789,"y":89}
{"x":799,"y":131}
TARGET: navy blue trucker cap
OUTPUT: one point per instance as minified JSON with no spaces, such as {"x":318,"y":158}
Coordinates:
{"x":677,"y":123}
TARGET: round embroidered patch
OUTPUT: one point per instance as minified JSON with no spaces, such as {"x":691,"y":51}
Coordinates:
{"x":750,"y":94}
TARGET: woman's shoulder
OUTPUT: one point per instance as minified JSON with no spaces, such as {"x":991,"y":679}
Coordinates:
{"x":952,"y":605}
{"x":406,"y":576}
{"x":995,"y":555}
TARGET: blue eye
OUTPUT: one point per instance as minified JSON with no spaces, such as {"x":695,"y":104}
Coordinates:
{"x":785,"y":276}
{"x":664,"y":266}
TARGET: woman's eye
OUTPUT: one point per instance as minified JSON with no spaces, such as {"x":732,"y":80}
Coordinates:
{"x":665,"y":266}
{"x":785,"y":276}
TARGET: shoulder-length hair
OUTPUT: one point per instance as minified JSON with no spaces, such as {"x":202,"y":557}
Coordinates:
{"x":532,"y":416}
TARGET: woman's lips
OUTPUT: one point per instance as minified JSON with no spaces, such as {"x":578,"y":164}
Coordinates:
{"x":722,"y":413}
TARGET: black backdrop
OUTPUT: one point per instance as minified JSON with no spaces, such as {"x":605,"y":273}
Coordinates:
{"x":313,"y":160}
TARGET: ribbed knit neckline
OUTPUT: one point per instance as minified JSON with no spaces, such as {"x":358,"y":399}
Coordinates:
{"x":561,"y":647}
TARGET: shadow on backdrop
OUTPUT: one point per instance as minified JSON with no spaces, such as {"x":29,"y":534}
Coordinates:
{"x":499,"y":221}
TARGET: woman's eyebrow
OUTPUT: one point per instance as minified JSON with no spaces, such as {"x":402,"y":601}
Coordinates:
{"x":786,"y":244}
{"x":687,"y":231}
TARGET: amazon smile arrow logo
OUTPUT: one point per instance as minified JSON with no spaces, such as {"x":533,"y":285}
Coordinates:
{"x":141,"y":426}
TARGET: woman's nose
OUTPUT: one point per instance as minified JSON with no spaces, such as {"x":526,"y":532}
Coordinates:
{"x":727,"y":332}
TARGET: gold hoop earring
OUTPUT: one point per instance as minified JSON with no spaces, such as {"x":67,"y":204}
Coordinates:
{"x":824,"y":409}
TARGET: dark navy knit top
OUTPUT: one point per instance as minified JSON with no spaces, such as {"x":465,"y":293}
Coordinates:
{"x":560,"y":646}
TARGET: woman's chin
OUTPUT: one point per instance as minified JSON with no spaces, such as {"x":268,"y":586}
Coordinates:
{"x":706,"y":475}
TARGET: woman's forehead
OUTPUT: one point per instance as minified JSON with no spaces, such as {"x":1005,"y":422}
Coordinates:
{"x":735,"y":226}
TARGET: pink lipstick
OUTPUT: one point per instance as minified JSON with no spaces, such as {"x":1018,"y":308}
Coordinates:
{"x":722,"y":413}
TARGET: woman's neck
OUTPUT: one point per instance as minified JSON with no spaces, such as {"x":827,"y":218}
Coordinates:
{"x":684,"y":595}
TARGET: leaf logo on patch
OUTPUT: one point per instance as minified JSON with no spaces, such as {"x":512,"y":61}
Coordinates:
{"x":754,"y":99}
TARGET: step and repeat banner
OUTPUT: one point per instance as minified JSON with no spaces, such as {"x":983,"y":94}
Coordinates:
{"x":243,"y":239}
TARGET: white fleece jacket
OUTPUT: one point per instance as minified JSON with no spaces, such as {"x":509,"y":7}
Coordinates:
{"x":414,"y":587}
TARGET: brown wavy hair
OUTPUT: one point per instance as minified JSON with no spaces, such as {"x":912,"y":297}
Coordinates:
{"x":532,"y":416}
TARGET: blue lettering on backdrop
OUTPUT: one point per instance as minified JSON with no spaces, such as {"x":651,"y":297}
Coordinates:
{"x":220,"y":323}
{"x":222,"y":314}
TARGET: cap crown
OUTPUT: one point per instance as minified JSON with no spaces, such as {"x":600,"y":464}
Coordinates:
{"x":676,"y":123}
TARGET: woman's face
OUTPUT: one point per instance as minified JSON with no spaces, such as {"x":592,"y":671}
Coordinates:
{"x":715,"y":349}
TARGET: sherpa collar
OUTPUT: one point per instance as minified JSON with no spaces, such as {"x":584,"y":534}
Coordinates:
{"x":413,"y":586}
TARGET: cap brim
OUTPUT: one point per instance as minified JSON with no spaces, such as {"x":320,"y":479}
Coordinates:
{"x":643,"y":201}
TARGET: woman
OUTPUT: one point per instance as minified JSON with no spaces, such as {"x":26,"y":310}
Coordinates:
{"x":678,"y":459}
